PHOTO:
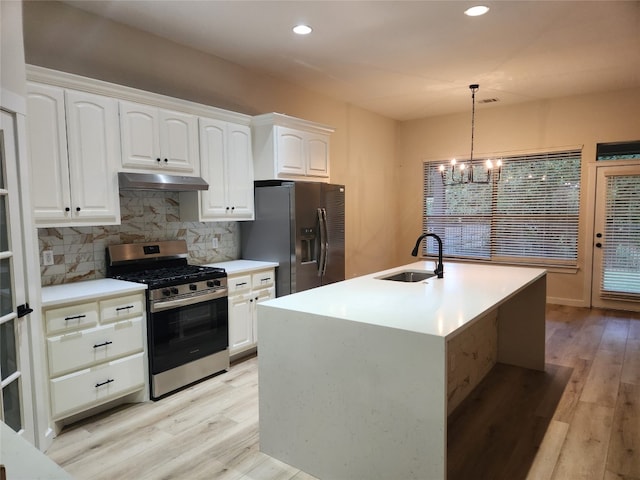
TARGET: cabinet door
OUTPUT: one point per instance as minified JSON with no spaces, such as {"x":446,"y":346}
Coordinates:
{"x":212,"y":152}
{"x":239,"y":166}
{"x":260,"y":296}
{"x":47,"y":136}
{"x":139,"y":135}
{"x":92,"y":131}
{"x":318,"y":156}
{"x":240,"y":323}
{"x":178,"y":141}
{"x":290,"y":151}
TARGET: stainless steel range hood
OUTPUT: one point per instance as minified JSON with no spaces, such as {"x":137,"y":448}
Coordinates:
{"x":160,"y":181}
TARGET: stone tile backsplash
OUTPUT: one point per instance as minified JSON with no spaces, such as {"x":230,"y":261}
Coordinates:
{"x":79,"y":252}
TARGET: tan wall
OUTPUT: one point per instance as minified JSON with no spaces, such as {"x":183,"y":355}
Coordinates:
{"x":573,"y":121}
{"x":362,"y":149}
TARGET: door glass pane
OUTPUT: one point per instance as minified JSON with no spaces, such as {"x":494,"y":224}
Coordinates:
{"x":8,"y":354}
{"x":6,"y":300}
{"x":621,"y":250}
{"x":11,"y":405}
{"x":4,"y":235}
{"x":2,"y":158}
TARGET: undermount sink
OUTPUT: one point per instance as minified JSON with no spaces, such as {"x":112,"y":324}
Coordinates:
{"x":409,"y":276}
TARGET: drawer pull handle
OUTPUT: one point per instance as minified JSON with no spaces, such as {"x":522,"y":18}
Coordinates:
{"x":104,"y":383}
{"x":104,"y":344}
{"x":265,"y":279}
{"x":124,"y":308}
{"x":75,"y":317}
{"x":240,"y":284}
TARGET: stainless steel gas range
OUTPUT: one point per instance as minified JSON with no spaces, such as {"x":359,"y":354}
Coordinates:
{"x":187,"y":312}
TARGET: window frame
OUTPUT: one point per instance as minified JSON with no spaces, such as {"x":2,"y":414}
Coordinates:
{"x":557,"y":219}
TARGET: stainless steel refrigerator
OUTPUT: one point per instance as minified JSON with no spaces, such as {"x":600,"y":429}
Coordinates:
{"x":300,"y":225}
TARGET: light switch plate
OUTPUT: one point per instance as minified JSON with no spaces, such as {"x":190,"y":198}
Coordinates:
{"x":214,"y":242}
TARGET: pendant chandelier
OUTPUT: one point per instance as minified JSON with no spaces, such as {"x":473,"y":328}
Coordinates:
{"x":461,"y":173}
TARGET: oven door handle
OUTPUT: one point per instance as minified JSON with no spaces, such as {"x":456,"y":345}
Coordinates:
{"x":183,"y":302}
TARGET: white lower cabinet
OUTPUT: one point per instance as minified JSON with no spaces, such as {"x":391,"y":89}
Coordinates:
{"x":245,"y":292}
{"x":95,"y":352}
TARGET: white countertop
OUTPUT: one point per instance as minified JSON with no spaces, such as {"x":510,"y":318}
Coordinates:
{"x":434,"y":306}
{"x":87,"y":290}
{"x":23,"y":461}
{"x":233,"y":267}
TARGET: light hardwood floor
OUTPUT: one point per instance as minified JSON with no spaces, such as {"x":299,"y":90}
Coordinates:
{"x":580,"y":419}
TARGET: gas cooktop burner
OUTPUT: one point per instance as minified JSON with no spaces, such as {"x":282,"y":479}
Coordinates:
{"x":164,"y":277}
{"x":158,"y":264}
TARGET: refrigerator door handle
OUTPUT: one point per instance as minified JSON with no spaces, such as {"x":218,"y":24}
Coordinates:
{"x":323,"y":252}
{"x":324,"y":241}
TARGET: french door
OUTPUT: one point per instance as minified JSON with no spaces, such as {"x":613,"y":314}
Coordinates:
{"x":15,"y":382}
{"x":616,"y":242}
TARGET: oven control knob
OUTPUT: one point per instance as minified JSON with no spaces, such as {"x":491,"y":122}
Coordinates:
{"x":174,"y":290}
{"x":213,"y":283}
{"x":166,"y":292}
{"x":193,"y":286}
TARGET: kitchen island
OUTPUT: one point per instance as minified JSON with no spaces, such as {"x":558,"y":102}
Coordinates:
{"x":357,"y":378}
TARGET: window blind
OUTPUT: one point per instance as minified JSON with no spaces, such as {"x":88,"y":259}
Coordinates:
{"x":621,"y":248}
{"x":529,"y":216}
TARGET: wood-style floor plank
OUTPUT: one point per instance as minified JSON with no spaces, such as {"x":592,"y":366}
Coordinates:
{"x":547,"y":456}
{"x":624,"y":450}
{"x":584,"y":451}
{"x":580,"y":419}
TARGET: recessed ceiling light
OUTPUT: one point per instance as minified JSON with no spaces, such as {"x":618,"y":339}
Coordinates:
{"x":302,"y":29}
{"x":476,"y":11}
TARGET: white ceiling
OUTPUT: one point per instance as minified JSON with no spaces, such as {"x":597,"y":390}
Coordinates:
{"x":409,"y":59}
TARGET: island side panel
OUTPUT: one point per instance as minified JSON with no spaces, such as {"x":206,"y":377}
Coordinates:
{"x":521,"y":327}
{"x":347,"y":400}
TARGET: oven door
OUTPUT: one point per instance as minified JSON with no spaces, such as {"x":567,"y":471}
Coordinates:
{"x":185,"y":333}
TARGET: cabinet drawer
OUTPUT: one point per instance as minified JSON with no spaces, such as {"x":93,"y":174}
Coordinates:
{"x":238,"y":284}
{"x":93,"y":386}
{"x":71,"y":318}
{"x":265,"y":294}
{"x":263,"y":279}
{"x":78,"y":350}
{"x":116,"y":309}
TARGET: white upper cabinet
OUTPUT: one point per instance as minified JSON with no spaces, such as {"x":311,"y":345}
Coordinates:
{"x":156,"y":139}
{"x":74,"y":151}
{"x":290,"y":148}
{"x":226,"y":164}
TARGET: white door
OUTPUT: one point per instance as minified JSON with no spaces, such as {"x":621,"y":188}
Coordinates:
{"x":290,"y":148}
{"x":15,"y":392}
{"x":178,"y":141}
{"x":239,"y":169}
{"x":139,"y":135}
{"x":616,"y":251}
{"x":93,"y":147}
{"x":318,"y":156}
{"x":47,"y":135}
{"x":212,"y":154}
{"x":240,"y":323}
